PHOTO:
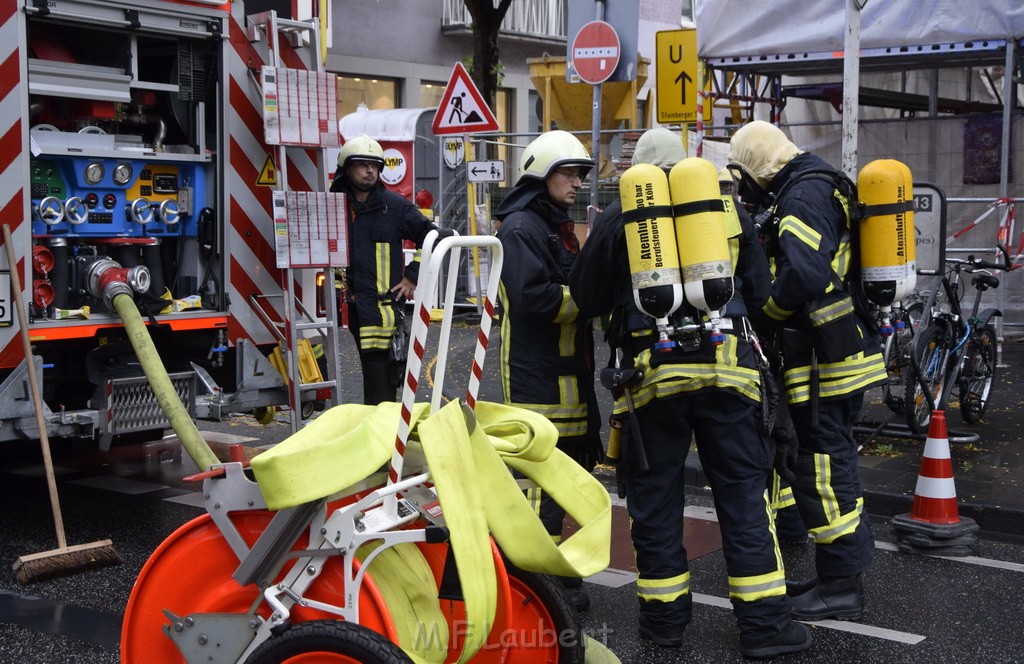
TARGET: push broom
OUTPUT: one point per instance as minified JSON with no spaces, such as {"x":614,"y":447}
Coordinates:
{"x":64,"y":559}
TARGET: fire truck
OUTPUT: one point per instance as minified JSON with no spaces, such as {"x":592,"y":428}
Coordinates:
{"x":134,"y":134}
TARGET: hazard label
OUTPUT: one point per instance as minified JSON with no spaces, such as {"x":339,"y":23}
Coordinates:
{"x":268,"y":175}
{"x":462,"y":109}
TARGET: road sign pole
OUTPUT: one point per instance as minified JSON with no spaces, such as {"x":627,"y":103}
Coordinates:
{"x":595,"y":144}
{"x":595,"y":136}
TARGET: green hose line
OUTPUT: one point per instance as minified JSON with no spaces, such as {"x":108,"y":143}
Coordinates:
{"x":160,"y":383}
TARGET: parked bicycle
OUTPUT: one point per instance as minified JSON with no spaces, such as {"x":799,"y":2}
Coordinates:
{"x":952,"y":348}
{"x":906,"y":317}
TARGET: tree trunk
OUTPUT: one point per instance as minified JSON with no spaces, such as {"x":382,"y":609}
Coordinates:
{"x":486,"y":25}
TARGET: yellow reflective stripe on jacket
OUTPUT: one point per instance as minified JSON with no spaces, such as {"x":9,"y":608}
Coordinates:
{"x":830,"y":312}
{"x":369,"y":341}
{"x":570,"y":419}
{"x":773,"y":310}
{"x":566,"y":319}
{"x":853,"y":374}
{"x":671,"y":379}
{"x":753,"y":588}
{"x":567,"y":310}
{"x":663,"y":590}
{"x":800,"y":231}
{"x":505,"y":335}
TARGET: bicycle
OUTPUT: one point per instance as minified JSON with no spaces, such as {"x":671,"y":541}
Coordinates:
{"x":954,"y":349}
{"x":906,"y":317}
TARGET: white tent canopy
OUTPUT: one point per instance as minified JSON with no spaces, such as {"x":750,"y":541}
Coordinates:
{"x":728,"y":28}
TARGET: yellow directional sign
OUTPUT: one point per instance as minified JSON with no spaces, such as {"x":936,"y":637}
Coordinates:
{"x":676,"y":64}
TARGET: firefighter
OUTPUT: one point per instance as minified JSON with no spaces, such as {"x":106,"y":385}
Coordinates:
{"x":789,"y":529}
{"x":707,"y":390}
{"x":830,"y":355}
{"x":377,"y":279}
{"x":546,"y":359}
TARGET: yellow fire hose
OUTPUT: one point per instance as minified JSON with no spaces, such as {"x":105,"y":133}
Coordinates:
{"x":468,"y":462}
{"x":160,"y":383}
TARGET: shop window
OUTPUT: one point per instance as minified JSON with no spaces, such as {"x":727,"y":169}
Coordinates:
{"x":376,"y":93}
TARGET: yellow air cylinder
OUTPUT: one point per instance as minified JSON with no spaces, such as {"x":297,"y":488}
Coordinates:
{"x":701,"y":236}
{"x":651,"y":245}
{"x":887,"y":243}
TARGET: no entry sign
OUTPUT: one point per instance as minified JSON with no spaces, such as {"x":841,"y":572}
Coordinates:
{"x":595,"y":52}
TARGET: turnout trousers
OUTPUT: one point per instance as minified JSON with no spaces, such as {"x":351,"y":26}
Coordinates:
{"x":736,"y":459}
{"x":827,"y":487}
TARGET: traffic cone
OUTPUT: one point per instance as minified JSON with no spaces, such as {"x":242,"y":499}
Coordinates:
{"x":934,"y":525}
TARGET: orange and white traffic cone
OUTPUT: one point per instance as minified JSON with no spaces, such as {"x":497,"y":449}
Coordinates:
{"x":934,"y":525}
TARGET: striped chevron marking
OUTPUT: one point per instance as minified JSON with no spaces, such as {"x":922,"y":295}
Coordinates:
{"x":249,"y":233}
{"x":14,"y":162}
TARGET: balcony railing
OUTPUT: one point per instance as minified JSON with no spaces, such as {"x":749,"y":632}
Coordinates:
{"x":539,"y":19}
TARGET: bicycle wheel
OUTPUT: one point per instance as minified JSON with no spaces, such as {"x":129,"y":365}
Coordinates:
{"x":324,"y":641}
{"x":931,"y":353}
{"x":896,"y":354}
{"x":977,"y":374}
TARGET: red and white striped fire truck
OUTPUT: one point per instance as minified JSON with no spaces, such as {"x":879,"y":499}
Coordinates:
{"x":136,"y":132}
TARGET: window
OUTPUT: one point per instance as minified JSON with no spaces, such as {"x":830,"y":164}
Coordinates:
{"x":376,"y":93}
{"x":430,"y":93}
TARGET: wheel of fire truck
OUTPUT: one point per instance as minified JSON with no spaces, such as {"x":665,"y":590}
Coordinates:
{"x":191,"y":572}
{"x":328,"y":642}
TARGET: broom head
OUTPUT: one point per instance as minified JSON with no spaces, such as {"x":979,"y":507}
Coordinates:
{"x":62,"y":562}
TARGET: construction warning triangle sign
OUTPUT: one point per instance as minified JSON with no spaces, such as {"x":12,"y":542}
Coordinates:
{"x":462,"y":109}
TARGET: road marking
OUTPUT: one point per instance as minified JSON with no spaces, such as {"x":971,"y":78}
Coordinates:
{"x":195,"y":499}
{"x":972,"y":560}
{"x":120,"y":484}
{"x":612,"y":578}
{"x":842,"y":626}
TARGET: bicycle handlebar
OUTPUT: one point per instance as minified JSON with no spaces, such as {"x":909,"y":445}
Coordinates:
{"x":978,"y":263}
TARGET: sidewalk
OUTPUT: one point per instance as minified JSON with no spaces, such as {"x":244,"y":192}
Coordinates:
{"x":989,"y":473}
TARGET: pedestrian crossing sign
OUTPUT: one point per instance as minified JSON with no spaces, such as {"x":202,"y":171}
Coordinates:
{"x":462,"y":109}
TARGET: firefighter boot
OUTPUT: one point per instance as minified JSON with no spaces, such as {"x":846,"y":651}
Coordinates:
{"x":574,"y":593}
{"x":839,"y":597}
{"x":794,"y":638}
{"x":796,"y":587}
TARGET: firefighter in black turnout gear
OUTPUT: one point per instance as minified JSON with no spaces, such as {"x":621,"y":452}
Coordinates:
{"x":546,"y":358}
{"x":377,"y":278}
{"x":698,"y":387}
{"x":830,"y":355}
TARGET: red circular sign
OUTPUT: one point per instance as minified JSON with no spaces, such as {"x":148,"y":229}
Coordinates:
{"x":595,"y":52}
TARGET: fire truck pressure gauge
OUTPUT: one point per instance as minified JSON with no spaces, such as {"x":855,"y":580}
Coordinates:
{"x":94,"y":172}
{"x":122,"y":173}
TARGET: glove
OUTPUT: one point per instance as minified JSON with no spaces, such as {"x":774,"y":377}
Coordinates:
{"x":786,"y":445}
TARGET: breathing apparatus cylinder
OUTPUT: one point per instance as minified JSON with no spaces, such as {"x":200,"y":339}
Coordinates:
{"x":700,"y":235}
{"x":887,"y":242}
{"x":651,"y":246}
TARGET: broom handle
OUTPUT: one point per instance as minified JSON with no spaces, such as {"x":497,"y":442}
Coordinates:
{"x":37,"y":402}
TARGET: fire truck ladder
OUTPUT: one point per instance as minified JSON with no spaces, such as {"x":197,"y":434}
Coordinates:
{"x":297,"y":319}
